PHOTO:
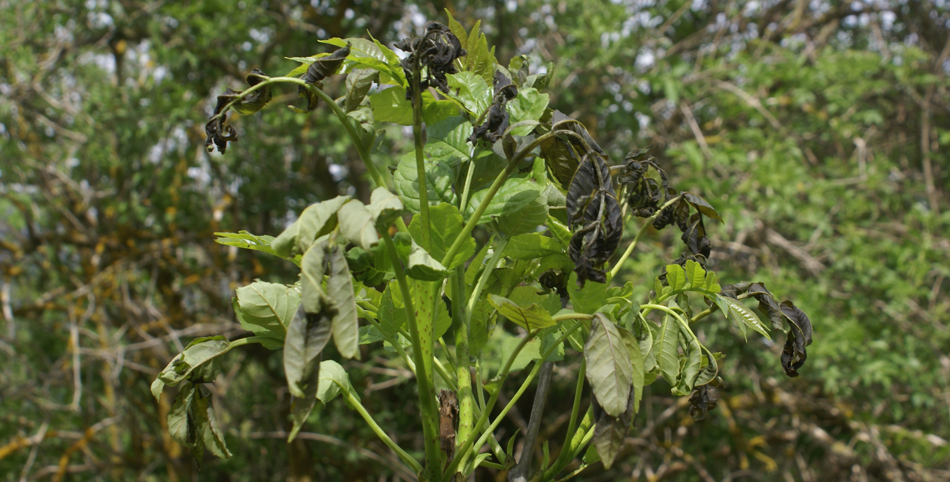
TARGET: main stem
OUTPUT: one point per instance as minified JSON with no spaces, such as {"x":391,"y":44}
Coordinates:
{"x":430,"y":412}
{"x":416,"y":89}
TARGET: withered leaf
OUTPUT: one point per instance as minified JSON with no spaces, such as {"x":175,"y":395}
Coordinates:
{"x":594,"y":217}
{"x":799,"y":336}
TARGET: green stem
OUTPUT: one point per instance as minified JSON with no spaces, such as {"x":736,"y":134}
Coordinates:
{"x":461,"y":454}
{"x":248,"y":341}
{"x":701,"y":315}
{"x":575,"y":411}
{"x":572,"y":316}
{"x":396,"y":346}
{"x":486,"y":274}
{"x":406,"y":458}
{"x":633,"y":244}
{"x":420,"y":155}
{"x":430,"y":412}
{"x":463,"y":372}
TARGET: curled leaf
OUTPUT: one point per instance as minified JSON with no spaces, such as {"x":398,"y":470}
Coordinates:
{"x":497,"y":122}
{"x":799,"y":336}
{"x":218,"y":134}
{"x":320,"y":69}
{"x":594,"y":217}
{"x":436,"y":51}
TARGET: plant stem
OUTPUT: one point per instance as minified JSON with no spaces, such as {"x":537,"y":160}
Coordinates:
{"x":420,"y":155}
{"x":395,"y":344}
{"x":463,"y":371}
{"x":247,"y":341}
{"x":462,"y":452}
{"x":633,"y":244}
{"x":517,"y":474}
{"x":430,"y":412}
{"x":486,"y":274}
{"x":562,"y":459}
{"x":406,"y":458}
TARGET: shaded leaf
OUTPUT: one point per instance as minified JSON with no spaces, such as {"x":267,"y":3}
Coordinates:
{"x":266,"y":308}
{"x":358,"y":84}
{"x":610,"y":431}
{"x":664,"y":349}
{"x":531,"y":317}
{"x":446,"y":222}
{"x":741,"y":314}
{"x":532,"y":245}
{"x":315,"y":221}
{"x":794,"y":353}
{"x":609,"y":369}
{"x":345,"y":326}
{"x":307,"y":335}
{"x":384,"y":207}
{"x":357,"y":225}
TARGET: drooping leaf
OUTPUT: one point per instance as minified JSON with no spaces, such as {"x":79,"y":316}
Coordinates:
{"x":357,"y":225}
{"x":199,"y":352}
{"x":702,"y":206}
{"x":266,"y":308}
{"x":333,"y":381}
{"x":636,"y":363}
{"x":610,"y":431}
{"x":531,"y":317}
{"x":609,"y":370}
{"x":384,"y":207}
{"x":209,"y":432}
{"x":344,"y":324}
{"x":701,"y":401}
{"x":180,"y":426}
{"x":317,"y":71}
{"x":664,"y":349}
{"x":794,"y":353}
{"x":594,"y":217}
{"x":315,"y":221}
{"x":358,"y":83}
{"x":372,"y":268}
{"x":419,"y":263}
{"x":307,"y":335}
{"x":693,"y":361}
{"x":741,"y":314}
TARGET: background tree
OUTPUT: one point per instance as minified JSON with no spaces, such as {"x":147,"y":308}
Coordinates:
{"x":821,"y":121}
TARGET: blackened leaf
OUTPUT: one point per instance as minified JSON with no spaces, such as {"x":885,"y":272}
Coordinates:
{"x":609,"y":370}
{"x":315,"y":221}
{"x":562,"y":159}
{"x":209,"y":432}
{"x":324,"y":67}
{"x":799,"y":336}
{"x":610,"y":431}
{"x":594,"y":217}
{"x":531,"y":317}
{"x":358,"y":83}
{"x":701,"y":401}
{"x":561,"y":122}
{"x":357,"y":225}
{"x":702,"y":206}
{"x":769,"y":306}
{"x":307,"y":335}
{"x":345,"y":326}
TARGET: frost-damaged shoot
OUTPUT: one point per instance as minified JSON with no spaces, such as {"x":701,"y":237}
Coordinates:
{"x":488,"y":152}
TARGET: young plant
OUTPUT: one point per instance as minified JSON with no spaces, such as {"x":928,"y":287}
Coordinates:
{"x":489,"y":153}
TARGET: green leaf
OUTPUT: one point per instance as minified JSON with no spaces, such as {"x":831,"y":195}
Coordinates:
{"x":446,"y":223}
{"x":157,"y":387}
{"x":358,"y":83}
{"x":524,"y":220}
{"x":312,"y":267}
{"x":471,"y":90}
{"x":531,"y":317}
{"x":481,"y":327}
{"x":610,"y":431}
{"x":664,"y":348}
{"x":480,"y":60}
{"x":514,"y":194}
{"x":587,"y":299}
{"x":695,"y":275}
{"x":369,"y":54}
{"x":333,"y":381}
{"x":345,"y":326}
{"x":711,"y":285}
{"x":305,"y":63}
{"x":266,"y":308}
{"x":636,"y":363}
{"x":392,"y":311}
{"x":531,"y":246}
{"x":390,"y":105}
{"x":690,"y":371}
{"x":307,"y":335}
{"x":419,"y":264}
{"x":246,"y":240}
{"x":207,"y":424}
{"x":315,"y":221}
{"x":178,"y":425}
{"x":357,"y":225}
{"x":197,"y":353}
{"x":385,"y":207}
{"x":527,"y":294}
{"x":529,"y":105}
{"x":475,"y":266}
{"x":741,"y":314}
{"x":559,"y":230}
{"x":439,"y":110}
{"x":608,"y":366}
{"x":675,"y":277}
{"x":440,"y":177}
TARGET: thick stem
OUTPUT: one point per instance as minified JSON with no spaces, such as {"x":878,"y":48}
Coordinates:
{"x":463,"y":363}
{"x":416,"y":89}
{"x":430,"y":412}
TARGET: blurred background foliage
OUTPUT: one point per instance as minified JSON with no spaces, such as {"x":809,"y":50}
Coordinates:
{"x":819,"y":129}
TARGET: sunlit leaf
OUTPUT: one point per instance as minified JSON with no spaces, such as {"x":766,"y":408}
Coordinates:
{"x":531,"y":317}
